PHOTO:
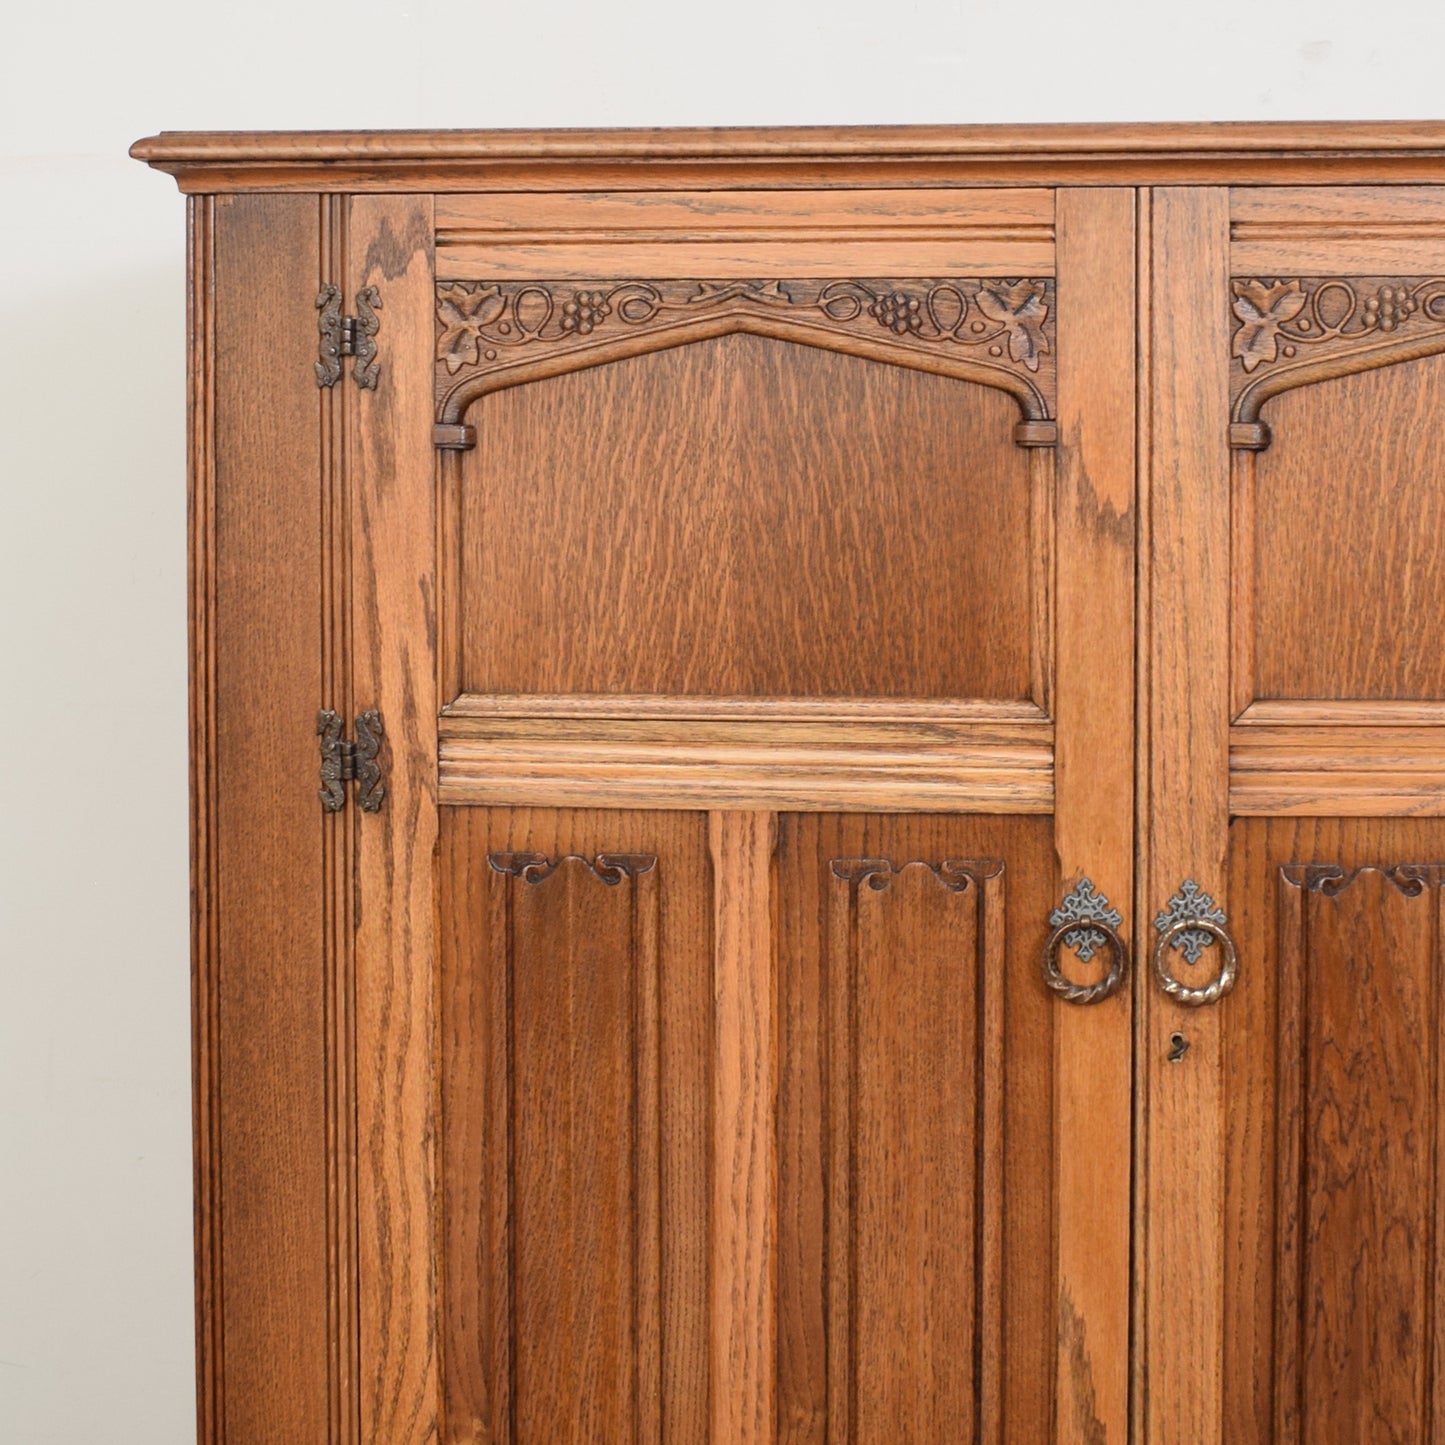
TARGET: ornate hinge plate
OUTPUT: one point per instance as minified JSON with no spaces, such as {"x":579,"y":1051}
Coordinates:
{"x":345,"y":762}
{"x":353,"y":336}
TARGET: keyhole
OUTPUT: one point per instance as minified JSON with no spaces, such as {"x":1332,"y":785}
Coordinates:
{"x":1177,"y":1046}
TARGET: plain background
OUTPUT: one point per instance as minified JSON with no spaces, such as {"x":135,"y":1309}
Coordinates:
{"x":95,"y":1170}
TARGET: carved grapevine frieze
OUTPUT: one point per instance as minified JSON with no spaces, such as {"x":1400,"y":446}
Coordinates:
{"x":1290,"y":332}
{"x":1281,"y":319}
{"x":1002,"y":325}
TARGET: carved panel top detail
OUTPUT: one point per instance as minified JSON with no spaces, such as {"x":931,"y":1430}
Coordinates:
{"x":608,"y":868}
{"x":996,"y":325}
{"x":1330,"y":878}
{"x":1289,"y":332}
{"x":955,"y":874}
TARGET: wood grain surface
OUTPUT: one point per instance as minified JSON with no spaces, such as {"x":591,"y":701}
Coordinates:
{"x":393,"y":541}
{"x":263,"y":1163}
{"x":1360,"y":230}
{"x":747,"y":233}
{"x":1349,"y":522}
{"x":556,"y":998}
{"x":1336,"y":771}
{"x":1289,"y":153}
{"x":1183,"y":811}
{"x":746,"y":516}
{"x":774,"y":762}
{"x":900,"y":1210}
{"x":1332,"y":1057}
{"x":744,"y":1164}
{"x":1094,"y":796}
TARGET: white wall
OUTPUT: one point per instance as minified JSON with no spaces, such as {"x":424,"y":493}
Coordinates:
{"x":95,"y":1233}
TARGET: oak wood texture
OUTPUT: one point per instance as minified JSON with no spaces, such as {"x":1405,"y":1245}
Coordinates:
{"x":575,"y":989}
{"x":744,"y":234}
{"x":743,"y":1260}
{"x":1336,"y":771}
{"x":1343,"y":605}
{"x":772,"y":760}
{"x":339,"y":862}
{"x":1183,"y":817}
{"x":1094,"y":791}
{"x":1293,"y":153}
{"x":1332,"y":1052}
{"x":693,"y":521}
{"x":201,"y":701}
{"x":262,"y":1159}
{"x":914,"y":1278}
{"x":393,"y":543}
{"x":916,"y":1130}
{"x":1311,"y":230}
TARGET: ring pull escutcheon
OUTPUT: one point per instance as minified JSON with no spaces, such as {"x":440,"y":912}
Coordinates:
{"x":1085,"y":923}
{"x":1190,"y":923}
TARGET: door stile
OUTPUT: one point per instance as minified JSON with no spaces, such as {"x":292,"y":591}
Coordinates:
{"x":1094,"y":785}
{"x":744,"y":1164}
{"x":393,"y":539}
{"x":1183,"y":815}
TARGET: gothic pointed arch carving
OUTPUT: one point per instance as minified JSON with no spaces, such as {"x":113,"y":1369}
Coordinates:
{"x":994,"y":331}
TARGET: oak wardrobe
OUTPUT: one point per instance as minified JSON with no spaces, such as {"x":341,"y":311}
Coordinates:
{"x":818,"y":784}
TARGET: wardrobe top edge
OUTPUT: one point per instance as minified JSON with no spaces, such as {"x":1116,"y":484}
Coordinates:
{"x":1161,"y":153}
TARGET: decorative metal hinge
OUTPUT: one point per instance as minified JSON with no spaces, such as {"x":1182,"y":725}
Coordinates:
{"x":345,"y":762}
{"x":353,"y":336}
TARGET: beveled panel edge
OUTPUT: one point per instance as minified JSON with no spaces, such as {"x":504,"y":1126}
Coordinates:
{"x":905,"y":254}
{"x":659,"y":706}
{"x":1325,"y":231}
{"x":1341,"y":712}
{"x":819,"y":765}
{"x":1318,"y":152}
{"x":1353,"y":769}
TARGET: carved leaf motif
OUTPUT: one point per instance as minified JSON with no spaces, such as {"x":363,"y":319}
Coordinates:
{"x":462,"y":314}
{"x":1262,"y":310}
{"x":1019,"y":308}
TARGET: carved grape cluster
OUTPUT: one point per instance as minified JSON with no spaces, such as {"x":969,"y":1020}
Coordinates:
{"x":585,"y":310}
{"x":1389,"y":307}
{"x":899,"y":311}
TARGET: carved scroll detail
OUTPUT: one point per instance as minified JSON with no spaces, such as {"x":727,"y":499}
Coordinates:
{"x":1002,"y":329}
{"x":1292,"y":332}
{"x":608,"y":868}
{"x":1330,"y":879}
{"x":955,"y":874}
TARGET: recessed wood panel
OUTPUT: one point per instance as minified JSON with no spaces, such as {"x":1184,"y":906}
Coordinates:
{"x":1332,"y":1057}
{"x":1349,"y":528}
{"x":747,"y":516}
{"x":915,"y":1270}
{"x":575,"y":1037}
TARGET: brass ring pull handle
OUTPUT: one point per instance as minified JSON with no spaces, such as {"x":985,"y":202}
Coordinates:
{"x":1190,"y":924}
{"x":1085,"y":922}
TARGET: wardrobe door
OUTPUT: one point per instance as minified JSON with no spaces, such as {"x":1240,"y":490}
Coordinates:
{"x":743,"y":1017}
{"x":1297,"y":777}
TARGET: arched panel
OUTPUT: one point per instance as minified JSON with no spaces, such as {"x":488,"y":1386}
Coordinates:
{"x":1348,"y":523}
{"x":744,"y":516}
{"x":494,"y":335}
